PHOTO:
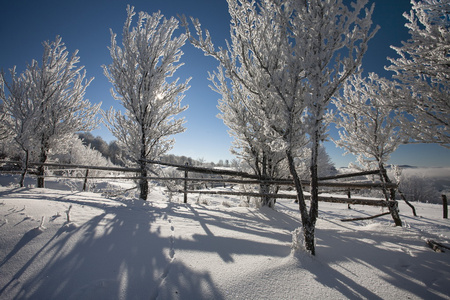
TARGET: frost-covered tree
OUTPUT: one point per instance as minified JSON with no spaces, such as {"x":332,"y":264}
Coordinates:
{"x":293,"y":56}
{"x":21,"y":115}
{"x":370,"y":127}
{"x":334,"y":38}
{"x":424,"y":69}
{"x":80,"y":154}
{"x":5,"y":121}
{"x":250,"y":142}
{"x":325,"y":165}
{"x":139,"y":72}
{"x":46,"y":102}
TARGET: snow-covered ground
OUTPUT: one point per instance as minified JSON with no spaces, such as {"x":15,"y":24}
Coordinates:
{"x":211,"y":248}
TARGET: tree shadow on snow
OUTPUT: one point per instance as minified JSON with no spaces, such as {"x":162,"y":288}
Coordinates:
{"x":27,"y":237}
{"x":401,"y":260}
{"x":120,"y":254}
{"x":228,"y":232}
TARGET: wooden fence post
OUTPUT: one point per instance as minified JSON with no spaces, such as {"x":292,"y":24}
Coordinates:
{"x":445,"y":207}
{"x":85,"y":180}
{"x":185,"y":183}
{"x":349,"y":196}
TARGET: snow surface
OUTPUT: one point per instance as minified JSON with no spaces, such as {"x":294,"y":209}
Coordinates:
{"x":211,"y":248}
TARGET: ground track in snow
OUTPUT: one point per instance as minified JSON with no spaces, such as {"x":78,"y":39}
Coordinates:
{"x":171,"y":259}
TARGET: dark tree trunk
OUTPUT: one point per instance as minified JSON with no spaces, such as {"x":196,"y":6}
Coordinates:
{"x":25,"y":169}
{"x":41,"y":169}
{"x":143,"y":183}
{"x":390,"y":197}
{"x":314,"y":205}
{"x":314,"y":210}
{"x":408,"y":203}
{"x":307,"y":223}
{"x":265,"y":173}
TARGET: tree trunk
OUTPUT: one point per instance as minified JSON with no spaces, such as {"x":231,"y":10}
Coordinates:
{"x":308,"y":225}
{"x":314,"y":210}
{"x":314,"y":205}
{"x":390,"y":198}
{"x":265,"y":188}
{"x":143,"y":184}
{"x":25,"y":169}
{"x":41,"y":168}
{"x":408,"y":203}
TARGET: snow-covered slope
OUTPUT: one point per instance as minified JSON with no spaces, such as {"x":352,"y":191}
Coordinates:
{"x":132,"y":249}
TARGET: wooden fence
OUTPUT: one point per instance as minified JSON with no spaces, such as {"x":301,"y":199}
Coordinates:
{"x":230,"y":178}
{"x":236,"y":177}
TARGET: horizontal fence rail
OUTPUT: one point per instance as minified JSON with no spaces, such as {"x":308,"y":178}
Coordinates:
{"x":252,"y":179}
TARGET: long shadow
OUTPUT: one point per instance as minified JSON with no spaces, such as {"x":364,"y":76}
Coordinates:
{"x":125,"y":251}
{"x":121,"y":253}
{"x":402,"y":267}
{"x":268,"y":224}
{"x":253,"y":221}
{"x":27,"y":237}
{"x":37,"y":255}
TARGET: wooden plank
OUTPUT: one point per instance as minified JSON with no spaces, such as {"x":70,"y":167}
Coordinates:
{"x":437,"y":247}
{"x":358,"y":185}
{"x":361,"y":185}
{"x":444,"y":206}
{"x":365,"y":218}
{"x":206,"y":170}
{"x":288,"y":196}
{"x":331,"y":199}
{"x":371,"y":172}
{"x":359,"y":201}
{"x":86,"y":167}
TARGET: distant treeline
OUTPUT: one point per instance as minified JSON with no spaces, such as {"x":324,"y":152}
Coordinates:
{"x":116,"y":155}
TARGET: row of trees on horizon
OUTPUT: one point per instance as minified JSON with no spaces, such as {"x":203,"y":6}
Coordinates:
{"x":286,"y":62}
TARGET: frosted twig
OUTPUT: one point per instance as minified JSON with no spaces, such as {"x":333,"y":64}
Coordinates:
{"x":41,"y":225}
{"x":68,"y":213}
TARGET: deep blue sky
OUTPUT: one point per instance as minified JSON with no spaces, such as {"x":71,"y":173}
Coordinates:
{"x":84,"y":25}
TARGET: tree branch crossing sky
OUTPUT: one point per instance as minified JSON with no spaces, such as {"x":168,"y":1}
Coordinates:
{"x":85,"y":25}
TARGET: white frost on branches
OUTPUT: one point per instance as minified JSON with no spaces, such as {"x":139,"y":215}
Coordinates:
{"x":368,"y":122}
{"x":139,"y":72}
{"x":289,"y":58}
{"x":424,"y":69}
{"x":46,"y":103}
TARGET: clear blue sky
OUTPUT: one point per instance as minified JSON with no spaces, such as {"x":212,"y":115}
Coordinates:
{"x":84,"y":25}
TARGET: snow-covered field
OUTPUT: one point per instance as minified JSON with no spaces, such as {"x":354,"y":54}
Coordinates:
{"x":211,"y":248}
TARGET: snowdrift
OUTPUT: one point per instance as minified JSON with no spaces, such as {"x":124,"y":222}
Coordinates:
{"x":59,"y":244}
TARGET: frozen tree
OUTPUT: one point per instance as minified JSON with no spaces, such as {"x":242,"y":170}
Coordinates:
{"x":81,"y":154}
{"x":139,"y":72}
{"x":46,"y":103}
{"x":5,"y":121}
{"x":250,"y":143}
{"x":293,"y":56}
{"x":370,"y":127}
{"x":324,"y":163}
{"x":334,"y":38}
{"x":423,"y":68}
{"x":21,"y":115}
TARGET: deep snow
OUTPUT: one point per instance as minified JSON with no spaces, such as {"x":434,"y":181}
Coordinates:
{"x":211,"y":248}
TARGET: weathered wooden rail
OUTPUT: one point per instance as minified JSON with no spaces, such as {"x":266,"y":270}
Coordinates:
{"x":248,"y":179}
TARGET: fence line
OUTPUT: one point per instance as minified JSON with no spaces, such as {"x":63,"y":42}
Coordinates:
{"x":255,"y":181}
